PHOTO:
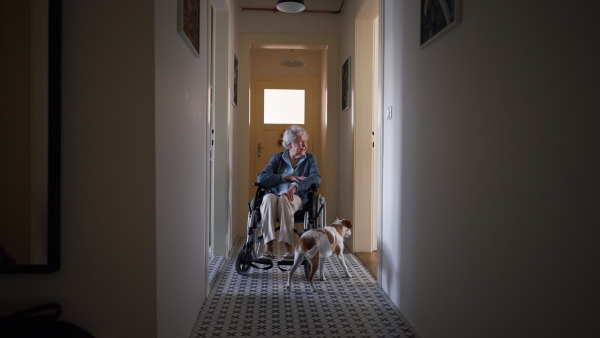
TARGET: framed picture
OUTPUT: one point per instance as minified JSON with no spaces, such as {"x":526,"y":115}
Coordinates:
{"x":235,"y":80}
{"x":438,"y":17}
{"x":346,"y":84}
{"x":188,"y":24}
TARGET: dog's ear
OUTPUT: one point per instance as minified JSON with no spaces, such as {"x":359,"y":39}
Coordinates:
{"x":347,"y":224}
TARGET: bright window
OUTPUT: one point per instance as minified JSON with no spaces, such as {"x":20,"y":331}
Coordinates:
{"x":284,"y":106}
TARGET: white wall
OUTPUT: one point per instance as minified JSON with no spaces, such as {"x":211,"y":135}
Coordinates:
{"x":367,"y":90}
{"x":221,"y":107}
{"x":345,"y":140}
{"x":181,"y":171}
{"x":232,"y":129}
{"x":265,"y":62}
{"x":393,"y":153}
{"x":491,"y":159}
{"x":133,"y":128}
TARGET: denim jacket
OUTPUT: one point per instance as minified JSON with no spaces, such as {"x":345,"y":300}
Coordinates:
{"x":279,"y":166}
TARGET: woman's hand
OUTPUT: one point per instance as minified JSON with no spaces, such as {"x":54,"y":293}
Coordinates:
{"x":290,"y":192}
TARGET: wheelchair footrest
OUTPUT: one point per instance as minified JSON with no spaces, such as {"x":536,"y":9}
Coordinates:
{"x":289,"y":262}
{"x":265,"y":262}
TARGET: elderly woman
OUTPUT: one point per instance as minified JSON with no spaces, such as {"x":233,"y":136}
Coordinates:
{"x":288,"y":177}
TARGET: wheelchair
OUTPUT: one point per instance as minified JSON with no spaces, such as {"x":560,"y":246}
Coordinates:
{"x":313,"y":216}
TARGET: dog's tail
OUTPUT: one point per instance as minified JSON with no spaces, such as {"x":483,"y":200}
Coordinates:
{"x":312,"y":252}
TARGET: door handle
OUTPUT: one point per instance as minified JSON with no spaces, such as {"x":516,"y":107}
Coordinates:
{"x":259,"y":149}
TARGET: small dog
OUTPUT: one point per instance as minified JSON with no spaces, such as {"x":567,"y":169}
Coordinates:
{"x":318,"y":244}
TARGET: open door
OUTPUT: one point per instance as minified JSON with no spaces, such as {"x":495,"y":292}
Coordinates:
{"x":367,"y":150}
{"x":220,"y":225}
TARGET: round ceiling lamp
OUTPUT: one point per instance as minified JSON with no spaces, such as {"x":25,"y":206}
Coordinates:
{"x":290,"y":6}
{"x":292,"y":60}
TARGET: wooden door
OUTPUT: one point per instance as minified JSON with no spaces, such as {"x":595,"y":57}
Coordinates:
{"x":266,"y":137}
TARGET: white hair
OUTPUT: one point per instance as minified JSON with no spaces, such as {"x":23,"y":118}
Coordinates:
{"x":290,"y":135}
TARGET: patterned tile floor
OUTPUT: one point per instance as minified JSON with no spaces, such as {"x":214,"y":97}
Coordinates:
{"x":257,"y":305}
{"x":214,"y":267}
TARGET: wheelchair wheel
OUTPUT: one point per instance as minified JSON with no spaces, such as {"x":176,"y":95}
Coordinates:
{"x":256,"y":235}
{"x":242,"y":261}
{"x":323,"y":216}
{"x":307,"y":225}
{"x":253,"y":247}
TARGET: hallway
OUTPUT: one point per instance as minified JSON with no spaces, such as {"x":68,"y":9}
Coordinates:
{"x":489,"y":207}
{"x":257,"y":305}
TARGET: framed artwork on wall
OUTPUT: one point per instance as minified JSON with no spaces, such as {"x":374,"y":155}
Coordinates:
{"x":235,"y":80}
{"x":346,"y":85}
{"x":438,"y":17}
{"x":188,"y":24}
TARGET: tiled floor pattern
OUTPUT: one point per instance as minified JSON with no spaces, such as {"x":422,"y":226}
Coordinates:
{"x":214,"y":266}
{"x":257,"y":305}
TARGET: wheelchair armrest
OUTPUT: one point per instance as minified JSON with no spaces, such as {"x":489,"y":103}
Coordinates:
{"x":256,"y":184}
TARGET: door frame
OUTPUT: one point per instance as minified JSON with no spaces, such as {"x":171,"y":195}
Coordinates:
{"x":219,"y":237}
{"x":330,"y":110}
{"x":368,"y":97}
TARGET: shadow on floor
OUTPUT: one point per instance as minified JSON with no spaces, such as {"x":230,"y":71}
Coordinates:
{"x":369,"y":259}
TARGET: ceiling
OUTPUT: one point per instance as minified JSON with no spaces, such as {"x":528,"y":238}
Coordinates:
{"x":314,"y":6}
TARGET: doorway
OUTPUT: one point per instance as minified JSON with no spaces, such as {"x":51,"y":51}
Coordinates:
{"x":219,"y":237}
{"x":367,"y":133}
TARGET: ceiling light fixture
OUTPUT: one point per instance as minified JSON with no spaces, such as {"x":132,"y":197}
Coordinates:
{"x":290,"y":6}
{"x":291,"y":60}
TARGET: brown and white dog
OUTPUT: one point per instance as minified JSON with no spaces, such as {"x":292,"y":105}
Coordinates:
{"x":318,"y":244}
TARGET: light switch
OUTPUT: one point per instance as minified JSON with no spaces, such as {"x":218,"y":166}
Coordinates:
{"x":388,"y":112}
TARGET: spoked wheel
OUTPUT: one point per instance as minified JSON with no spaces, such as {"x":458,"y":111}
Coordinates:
{"x":242,"y":261}
{"x":259,"y":245}
{"x":322,"y":216}
{"x":307,"y":225}
{"x":250,"y":249}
